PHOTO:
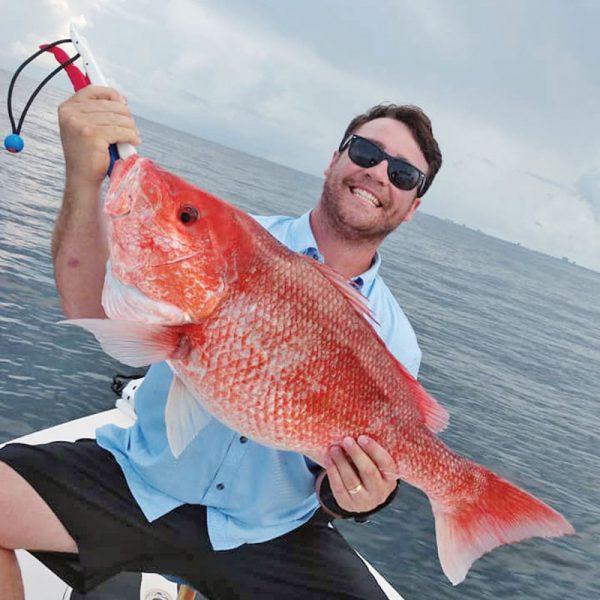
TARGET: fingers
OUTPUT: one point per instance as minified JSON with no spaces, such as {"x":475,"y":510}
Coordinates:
{"x":355,"y":466}
{"x":107,"y":127}
{"x":114,"y":134}
{"x":98,"y":92}
{"x":361,"y":474}
{"x":94,"y":99}
{"x":338,"y":488}
{"x":103,"y":106}
{"x":367,"y":469}
{"x":343,"y":477}
{"x":380,"y":457}
{"x":90,"y":121}
{"x":102,"y":119}
{"x":79,"y":111}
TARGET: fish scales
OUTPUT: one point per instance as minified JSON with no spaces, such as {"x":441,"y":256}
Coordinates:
{"x":277,"y":366}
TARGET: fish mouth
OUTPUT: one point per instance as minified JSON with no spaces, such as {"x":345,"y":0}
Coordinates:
{"x":126,"y":174}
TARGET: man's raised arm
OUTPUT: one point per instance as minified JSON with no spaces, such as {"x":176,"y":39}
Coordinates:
{"x":89,"y":122}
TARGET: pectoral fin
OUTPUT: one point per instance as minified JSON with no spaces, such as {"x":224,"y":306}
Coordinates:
{"x":135,"y":344}
{"x":184,"y":416}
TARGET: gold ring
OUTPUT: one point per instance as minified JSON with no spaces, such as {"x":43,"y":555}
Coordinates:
{"x":355,"y":489}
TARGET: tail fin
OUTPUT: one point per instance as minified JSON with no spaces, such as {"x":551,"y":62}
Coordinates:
{"x":499,"y":514}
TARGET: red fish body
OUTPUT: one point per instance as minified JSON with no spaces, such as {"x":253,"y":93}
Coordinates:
{"x":281,"y":349}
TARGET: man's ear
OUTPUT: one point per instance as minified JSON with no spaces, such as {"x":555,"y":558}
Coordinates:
{"x":411,"y":211}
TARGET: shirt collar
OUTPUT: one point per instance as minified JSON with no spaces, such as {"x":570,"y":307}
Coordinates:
{"x":303,"y":241}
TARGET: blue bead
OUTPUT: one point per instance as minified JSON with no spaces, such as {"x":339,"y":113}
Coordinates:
{"x":14,"y":143}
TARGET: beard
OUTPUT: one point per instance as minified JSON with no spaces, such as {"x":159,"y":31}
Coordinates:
{"x":349,"y":219}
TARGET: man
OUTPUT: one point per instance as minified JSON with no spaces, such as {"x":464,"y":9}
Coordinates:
{"x":231,"y":517}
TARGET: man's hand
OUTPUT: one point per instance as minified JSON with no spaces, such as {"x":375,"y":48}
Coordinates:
{"x":90,"y":121}
{"x":361,"y":474}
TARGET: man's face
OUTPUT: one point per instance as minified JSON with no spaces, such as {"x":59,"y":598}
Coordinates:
{"x":363,"y":203}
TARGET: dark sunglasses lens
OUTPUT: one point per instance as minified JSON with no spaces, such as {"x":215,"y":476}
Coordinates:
{"x":364,"y":153}
{"x":403,"y":176}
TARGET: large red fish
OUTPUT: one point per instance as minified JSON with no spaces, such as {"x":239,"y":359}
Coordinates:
{"x":281,"y":349}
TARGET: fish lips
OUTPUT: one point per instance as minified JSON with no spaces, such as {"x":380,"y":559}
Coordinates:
{"x":125,"y":182}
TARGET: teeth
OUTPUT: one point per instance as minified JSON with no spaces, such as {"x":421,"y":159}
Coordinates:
{"x":366,"y":196}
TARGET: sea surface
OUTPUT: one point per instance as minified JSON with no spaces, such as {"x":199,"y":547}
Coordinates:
{"x":510,"y":340}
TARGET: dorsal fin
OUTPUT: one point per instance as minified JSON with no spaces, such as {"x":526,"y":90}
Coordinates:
{"x":356,"y":300}
{"x":435,"y":415}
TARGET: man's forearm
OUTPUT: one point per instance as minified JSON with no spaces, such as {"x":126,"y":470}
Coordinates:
{"x":80,"y":251}
{"x":89,"y":121}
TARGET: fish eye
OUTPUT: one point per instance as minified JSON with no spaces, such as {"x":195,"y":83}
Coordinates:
{"x":188,"y":214}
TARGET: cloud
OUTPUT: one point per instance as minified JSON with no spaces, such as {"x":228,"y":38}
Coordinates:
{"x":438,"y":21}
{"x":588,"y":187}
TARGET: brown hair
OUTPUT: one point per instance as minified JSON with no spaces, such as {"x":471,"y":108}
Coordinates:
{"x":418,"y":123}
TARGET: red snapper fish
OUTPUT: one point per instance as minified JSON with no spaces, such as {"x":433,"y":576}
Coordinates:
{"x":281,"y":349}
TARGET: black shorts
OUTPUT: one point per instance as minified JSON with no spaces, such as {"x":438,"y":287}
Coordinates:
{"x":85,"y":487}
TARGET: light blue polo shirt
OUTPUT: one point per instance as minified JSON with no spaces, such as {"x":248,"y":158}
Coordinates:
{"x":252,"y":493}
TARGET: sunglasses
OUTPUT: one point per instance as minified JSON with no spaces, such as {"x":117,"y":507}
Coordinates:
{"x":367,"y":154}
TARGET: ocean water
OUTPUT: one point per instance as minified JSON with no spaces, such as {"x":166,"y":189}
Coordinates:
{"x":510,"y":340}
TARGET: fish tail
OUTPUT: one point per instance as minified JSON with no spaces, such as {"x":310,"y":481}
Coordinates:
{"x":498,"y":513}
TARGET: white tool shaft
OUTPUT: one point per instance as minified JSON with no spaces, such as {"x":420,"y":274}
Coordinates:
{"x":96,"y":77}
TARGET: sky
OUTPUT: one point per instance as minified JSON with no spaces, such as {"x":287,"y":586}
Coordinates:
{"x":512,"y":88}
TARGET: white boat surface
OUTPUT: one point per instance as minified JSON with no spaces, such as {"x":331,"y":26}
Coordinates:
{"x":40,"y":583}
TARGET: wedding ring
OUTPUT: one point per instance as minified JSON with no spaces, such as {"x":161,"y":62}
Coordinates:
{"x":355,"y":489}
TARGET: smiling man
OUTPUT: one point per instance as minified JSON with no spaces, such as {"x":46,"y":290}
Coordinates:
{"x":231,"y":517}
{"x":374,"y":183}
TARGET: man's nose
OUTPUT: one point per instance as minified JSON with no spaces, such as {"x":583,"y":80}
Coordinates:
{"x":379,"y":172}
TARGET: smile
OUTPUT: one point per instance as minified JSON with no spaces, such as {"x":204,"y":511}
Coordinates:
{"x":367,"y":196}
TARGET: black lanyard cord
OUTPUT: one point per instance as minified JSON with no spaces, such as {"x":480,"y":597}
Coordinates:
{"x":17,"y":128}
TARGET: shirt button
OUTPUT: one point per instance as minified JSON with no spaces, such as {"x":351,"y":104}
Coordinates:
{"x":243,"y":439}
{"x":220,"y":486}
